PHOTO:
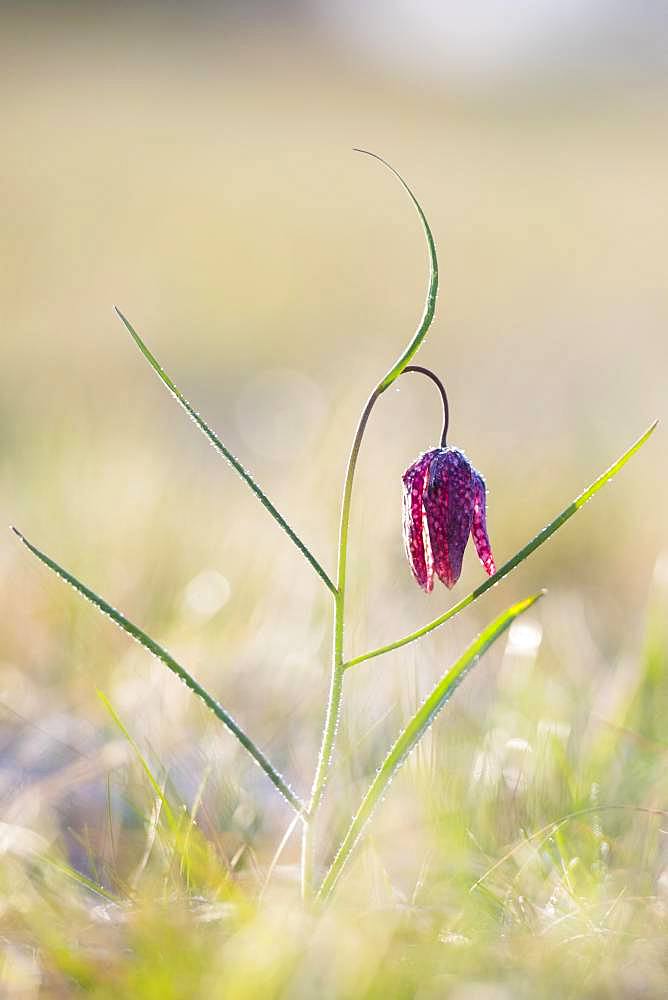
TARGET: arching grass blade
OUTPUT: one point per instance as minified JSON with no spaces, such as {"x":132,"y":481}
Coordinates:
{"x":225,"y":452}
{"x":161,"y":654}
{"x":412,"y":733}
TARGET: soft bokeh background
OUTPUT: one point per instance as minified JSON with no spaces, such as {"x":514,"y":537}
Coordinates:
{"x":192,"y":163}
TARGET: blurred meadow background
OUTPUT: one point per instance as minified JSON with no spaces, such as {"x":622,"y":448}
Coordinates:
{"x":193,"y":164}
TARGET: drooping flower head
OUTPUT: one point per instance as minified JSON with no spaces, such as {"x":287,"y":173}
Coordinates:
{"x":444,"y":503}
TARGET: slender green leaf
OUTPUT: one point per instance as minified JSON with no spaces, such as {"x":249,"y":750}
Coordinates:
{"x":519,"y":557}
{"x":159,"y":793}
{"x":176,"y":668}
{"x":79,"y":878}
{"x":432,"y":290}
{"x":412,"y":733}
{"x":220,"y":447}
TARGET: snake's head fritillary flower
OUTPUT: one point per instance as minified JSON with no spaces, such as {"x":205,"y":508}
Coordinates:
{"x":444,"y":503}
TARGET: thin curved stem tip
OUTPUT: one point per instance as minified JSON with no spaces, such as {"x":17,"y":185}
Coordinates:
{"x":444,"y":398}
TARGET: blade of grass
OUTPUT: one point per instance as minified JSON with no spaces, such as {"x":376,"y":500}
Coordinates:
{"x":151,"y":834}
{"x":176,"y":668}
{"x":277,"y":856}
{"x":191,"y":823}
{"x":548,"y":830}
{"x":225,"y":452}
{"x":412,"y":733}
{"x":332,"y":712}
{"x":79,"y":878}
{"x":158,"y":791}
{"x":519,"y":557}
{"x":432,"y":290}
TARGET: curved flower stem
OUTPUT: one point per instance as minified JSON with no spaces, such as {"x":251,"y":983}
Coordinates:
{"x":338,"y":666}
{"x":444,"y":397}
{"x":336,"y":681}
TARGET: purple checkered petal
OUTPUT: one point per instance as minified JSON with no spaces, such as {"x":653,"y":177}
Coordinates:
{"x":448,"y":503}
{"x":479,"y":526}
{"x":444,"y":503}
{"x":416,"y":533}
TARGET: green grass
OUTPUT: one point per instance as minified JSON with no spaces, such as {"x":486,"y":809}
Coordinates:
{"x":539,"y":864}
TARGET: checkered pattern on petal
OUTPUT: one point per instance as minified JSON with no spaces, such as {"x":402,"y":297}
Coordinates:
{"x":444,"y":502}
{"x":448,"y":502}
{"x":479,"y":526}
{"x":416,"y":533}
